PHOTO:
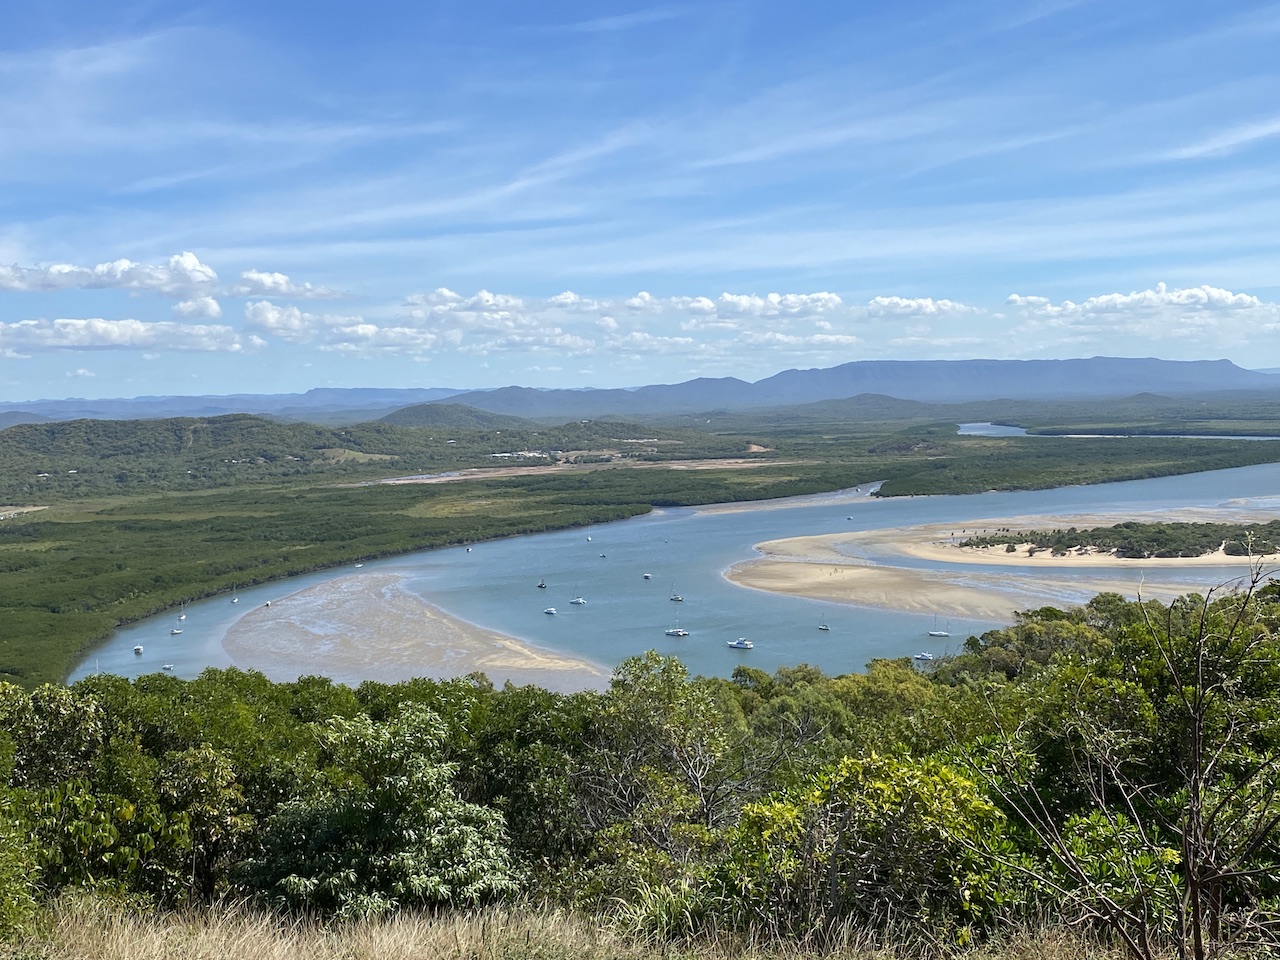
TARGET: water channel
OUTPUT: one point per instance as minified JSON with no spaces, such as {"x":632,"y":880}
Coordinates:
{"x":686,"y":551}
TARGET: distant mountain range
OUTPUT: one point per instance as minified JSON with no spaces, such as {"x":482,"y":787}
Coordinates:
{"x":321,"y":405}
{"x":928,"y":381}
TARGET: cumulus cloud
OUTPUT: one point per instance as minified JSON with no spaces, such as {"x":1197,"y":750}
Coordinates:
{"x":1210,"y":314}
{"x":200,"y":308}
{"x":255,"y":283}
{"x":181,"y":275}
{"x":818,"y":322}
{"x":899,"y":307}
{"x":99,"y":334}
{"x":289,"y":323}
{"x":370,"y":338}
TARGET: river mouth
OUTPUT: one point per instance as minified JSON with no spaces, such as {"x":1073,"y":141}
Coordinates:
{"x":687,"y":551}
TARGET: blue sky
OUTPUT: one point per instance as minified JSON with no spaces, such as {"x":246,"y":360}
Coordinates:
{"x":232,"y":197}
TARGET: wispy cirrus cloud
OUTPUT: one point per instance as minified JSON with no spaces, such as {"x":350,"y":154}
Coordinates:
{"x":1228,"y":141}
{"x":624,"y":21}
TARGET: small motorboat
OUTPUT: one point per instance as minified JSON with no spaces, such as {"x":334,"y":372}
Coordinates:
{"x":550,"y":610}
{"x":542,"y":584}
{"x":138,"y":650}
{"x":174,"y":632}
{"x":742,"y":643}
{"x":647,"y":576}
{"x":578,"y":600}
{"x":924,"y":655}
{"x":167,"y":666}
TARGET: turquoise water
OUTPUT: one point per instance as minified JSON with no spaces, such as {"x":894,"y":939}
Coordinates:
{"x":687,"y":550}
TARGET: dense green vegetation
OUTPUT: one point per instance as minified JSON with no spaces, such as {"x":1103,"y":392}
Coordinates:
{"x":46,"y":463}
{"x":1111,"y":766}
{"x":1141,"y":540}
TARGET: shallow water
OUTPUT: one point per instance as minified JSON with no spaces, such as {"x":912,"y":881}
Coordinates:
{"x":686,"y":551}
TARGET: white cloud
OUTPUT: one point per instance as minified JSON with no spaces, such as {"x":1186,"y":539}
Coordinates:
{"x":291,"y":324}
{"x":81,"y":372}
{"x":201,"y":308}
{"x":99,"y":334}
{"x":899,"y":307}
{"x":369,"y":338}
{"x":1209,"y":314}
{"x":182,"y":275}
{"x":255,"y":283}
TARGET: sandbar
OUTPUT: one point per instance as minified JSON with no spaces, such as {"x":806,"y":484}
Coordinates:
{"x":866,"y":567}
{"x":370,"y":627}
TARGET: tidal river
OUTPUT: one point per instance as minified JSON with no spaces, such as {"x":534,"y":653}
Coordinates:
{"x":685,"y":553}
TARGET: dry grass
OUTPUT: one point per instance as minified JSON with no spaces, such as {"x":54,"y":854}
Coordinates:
{"x":85,"y":928}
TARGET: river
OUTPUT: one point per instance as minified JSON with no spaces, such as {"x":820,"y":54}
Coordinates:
{"x":686,"y":551}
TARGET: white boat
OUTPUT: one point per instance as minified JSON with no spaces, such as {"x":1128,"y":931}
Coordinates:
{"x":542,"y":584}
{"x":588,"y":538}
{"x":359,"y":565}
{"x":742,"y":643}
{"x":647,"y":576}
{"x":924,"y":655}
{"x":675,"y":596}
{"x":677,"y":632}
{"x":549,"y":610}
{"x":138,"y":650}
{"x":935,"y":632}
{"x":578,"y":600}
{"x":824,"y":625}
{"x":175,"y":631}
{"x":167,"y":666}
{"x":183,"y":614}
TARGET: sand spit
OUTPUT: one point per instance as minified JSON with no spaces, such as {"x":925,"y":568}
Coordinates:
{"x":369,"y":627}
{"x":859,"y":567}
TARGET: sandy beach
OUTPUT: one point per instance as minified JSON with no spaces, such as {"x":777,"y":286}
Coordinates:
{"x":369,"y":627}
{"x":859,"y":568}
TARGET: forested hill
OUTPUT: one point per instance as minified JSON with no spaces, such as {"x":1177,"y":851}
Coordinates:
{"x":47,"y":462}
{"x":455,"y":416}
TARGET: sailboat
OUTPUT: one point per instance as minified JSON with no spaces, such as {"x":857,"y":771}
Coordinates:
{"x":823,"y":625}
{"x":677,"y":631}
{"x":542,"y":584}
{"x":935,"y":632}
{"x":675,"y":596}
{"x":577,"y":597}
{"x":183,"y":614}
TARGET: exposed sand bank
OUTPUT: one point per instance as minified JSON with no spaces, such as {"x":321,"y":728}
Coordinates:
{"x":369,"y":627}
{"x":859,"y":567}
